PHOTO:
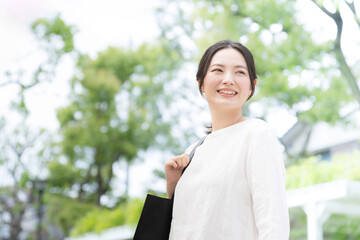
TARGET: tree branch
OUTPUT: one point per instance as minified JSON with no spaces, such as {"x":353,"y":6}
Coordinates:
{"x":110,"y":172}
{"x":8,"y":83}
{"x":21,"y":85}
{"x":85,"y":180}
{"x":322,"y":8}
{"x":339,"y":25}
{"x":241,"y":14}
{"x":343,"y":65}
{"x":99,"y":180}
{"x":348,"y":74}
{"x":353,"y":10}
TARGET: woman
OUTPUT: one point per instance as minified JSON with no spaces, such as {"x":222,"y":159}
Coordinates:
{"x":234,"y":187}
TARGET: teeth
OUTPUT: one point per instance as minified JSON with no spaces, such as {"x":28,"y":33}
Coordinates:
{"x":228,"y":92}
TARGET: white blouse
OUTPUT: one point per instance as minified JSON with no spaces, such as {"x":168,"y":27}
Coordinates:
{"x":234,"y":188}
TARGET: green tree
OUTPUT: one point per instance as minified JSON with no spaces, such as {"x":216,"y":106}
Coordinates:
{"x":116,"y":110}
{"x":24,"y":150}
{"x":55,"y":39}
{"x":18,"y":159}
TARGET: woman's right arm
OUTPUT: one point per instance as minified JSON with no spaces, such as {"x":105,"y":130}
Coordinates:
{"x":173,"y":170}
{"x":267,"y":180}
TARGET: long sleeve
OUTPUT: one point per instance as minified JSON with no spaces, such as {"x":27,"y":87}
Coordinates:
{"x":266,"y":178}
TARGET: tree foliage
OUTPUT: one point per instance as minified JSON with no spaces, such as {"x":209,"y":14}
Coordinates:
{"x":24,"y":150}
{"x":65,"y":212}
{"x":101,"y":219}
{"x":312,"y":171}
{"x":56,"y":36}
{"x":116,"y":110}
{"x":17,"y":195}
{"x":55,"y":40}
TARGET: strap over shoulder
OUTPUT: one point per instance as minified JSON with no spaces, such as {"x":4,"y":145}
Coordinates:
{"x":191,"y":155}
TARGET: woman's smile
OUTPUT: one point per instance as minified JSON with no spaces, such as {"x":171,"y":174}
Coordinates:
{"x":226,"y":92}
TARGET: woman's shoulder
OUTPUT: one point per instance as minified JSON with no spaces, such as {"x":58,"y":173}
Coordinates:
{"x":191,"y":147}
{"x":259,"y":126}
{"x":261,"y":133}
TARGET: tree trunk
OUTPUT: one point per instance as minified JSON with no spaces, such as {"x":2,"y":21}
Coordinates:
{"x":15,"y":224}
{"x":100,"y":185}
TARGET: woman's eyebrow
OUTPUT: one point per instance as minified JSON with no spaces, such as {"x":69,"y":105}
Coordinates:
{"x":240,"y":66}
{"x":221,"y":65}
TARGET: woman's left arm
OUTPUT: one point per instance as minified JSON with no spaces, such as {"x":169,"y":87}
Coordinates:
{"x":267,"y":178}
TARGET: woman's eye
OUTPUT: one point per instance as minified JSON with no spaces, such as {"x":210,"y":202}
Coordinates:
{"x":217,"y":70}
{"x":241,"y":72}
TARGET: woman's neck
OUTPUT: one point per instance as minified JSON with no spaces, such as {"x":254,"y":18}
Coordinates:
{"x":224,"y":119}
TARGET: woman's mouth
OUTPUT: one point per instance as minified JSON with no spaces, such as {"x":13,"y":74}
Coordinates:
{"x":227,"y":92}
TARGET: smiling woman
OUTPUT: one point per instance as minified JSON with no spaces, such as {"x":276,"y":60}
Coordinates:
{"x":227,"y":86}
{"x":234,"y":187}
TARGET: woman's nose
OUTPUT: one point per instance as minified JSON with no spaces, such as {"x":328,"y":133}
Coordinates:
{"x":228,"y":79}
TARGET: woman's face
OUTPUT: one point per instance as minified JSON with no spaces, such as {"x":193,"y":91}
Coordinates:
{"x":227,"y":83}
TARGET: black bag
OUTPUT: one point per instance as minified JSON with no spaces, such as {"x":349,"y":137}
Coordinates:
{"x":155,"y":218}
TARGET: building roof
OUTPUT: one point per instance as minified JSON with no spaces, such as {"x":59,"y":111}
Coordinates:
{"x":304,"y":138}
{"x":324,"y":136}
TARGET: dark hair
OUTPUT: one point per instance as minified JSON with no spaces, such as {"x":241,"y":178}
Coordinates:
{"x":209,"y":54}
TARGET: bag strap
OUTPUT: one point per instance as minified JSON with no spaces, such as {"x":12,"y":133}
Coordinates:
{"x":191,"y":155}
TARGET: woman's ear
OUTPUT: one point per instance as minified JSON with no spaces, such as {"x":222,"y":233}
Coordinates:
{"x":255,"y":82}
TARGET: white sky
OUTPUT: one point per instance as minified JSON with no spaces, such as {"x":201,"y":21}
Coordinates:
{"x":101,"y":24}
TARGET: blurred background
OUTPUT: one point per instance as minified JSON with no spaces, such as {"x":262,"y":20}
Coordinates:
{"x":96,"y":96}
